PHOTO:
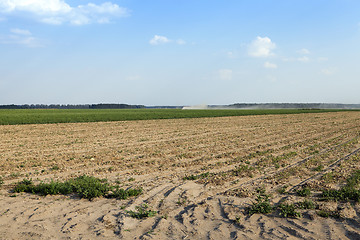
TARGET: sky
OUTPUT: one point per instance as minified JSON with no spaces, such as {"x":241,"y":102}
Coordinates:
{"x":179,"y":52}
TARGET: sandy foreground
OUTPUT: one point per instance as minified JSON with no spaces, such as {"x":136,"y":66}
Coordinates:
{"x":236,"y":156}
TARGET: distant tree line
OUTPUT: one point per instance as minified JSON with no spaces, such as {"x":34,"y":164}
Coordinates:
{"x":294,"y":105}
{"x":114,"y":106}
{"x":71,"y":106}
{"x":236,"y":105}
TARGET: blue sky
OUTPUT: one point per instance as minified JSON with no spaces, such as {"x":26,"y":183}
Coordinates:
{"x":163,"y":52}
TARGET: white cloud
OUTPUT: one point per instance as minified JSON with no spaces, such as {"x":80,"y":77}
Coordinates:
{"x":270,"y":65}
{"x":304,"y":51}
{"x":35,"y":6}
{"x":303,"y":59}
{"x":328,"y":71}
{"x":261,"y":47}
{"x":322,"y":59}
{"x":156,"y":40}
{"x":21,"y":37}
{"x":59,"y":12}
{"x":231,"y":54}
{"x":225,"y":74}
{"x":20,"y":31}
{"x":180,"y":42}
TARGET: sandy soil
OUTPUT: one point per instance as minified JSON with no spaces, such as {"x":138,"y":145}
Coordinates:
{"x":240,"y":155}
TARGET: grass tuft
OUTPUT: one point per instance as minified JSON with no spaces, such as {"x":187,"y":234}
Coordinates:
{"x":195,"y":177}
{"x":261,"y":204}
{"x":304,"y":192}
{"x":288,"y":210}
{"x":347,"y":192}
{"x":141,"y":212}
{"x":306,"y":204}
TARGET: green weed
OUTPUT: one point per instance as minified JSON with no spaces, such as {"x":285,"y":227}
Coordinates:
{"x":141,"y":212}
{"x":347,"y":192}
{"x":54,"y":168}
{"x":119,"y":193}
{"x":243,"y":170}
{"x":319,"y":168}
{"x":306,"y":204}
{"x":326,"y":214}
{"x":195,"y":177}
{"x":261,"y":204}
{"x":85,"y":186}
{"x":282,"y":189}
{"x":304,"y":192}
{"x":288,"y":210}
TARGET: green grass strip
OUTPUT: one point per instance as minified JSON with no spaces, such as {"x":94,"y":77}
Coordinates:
{"x":43,"y":116}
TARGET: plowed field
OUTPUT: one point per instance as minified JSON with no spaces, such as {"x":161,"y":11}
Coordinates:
{"x":200,"y":175}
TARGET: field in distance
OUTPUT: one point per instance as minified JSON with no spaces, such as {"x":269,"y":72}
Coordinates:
{"x":43,"y":116}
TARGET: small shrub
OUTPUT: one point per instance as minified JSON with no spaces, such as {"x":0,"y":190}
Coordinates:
{"x":1,"y":181}
{"x":85,"y":186}
{"x":304,"y":192}
{"x":319,"y":168}
{"x":282,"y":189}
{"x":90,"y":187}
{"x":243,"y":170}
{"x":346,"y":193}
{"x":328,"y":177}
{"x":191,"y":177}
{"x":23,"y":186}
{"x":124,"y":194}
{"x":353,"y":180}
{"x":141,"y":212}
{"x":54,"y":168}
{"x":195,"y":177}
{"x":306,"y":204}
{"x":343,"y":194}
{"x":326,"y":214}
{"x":181,"y":200}
{"x":288,"y":210}
{"x":262,"y":204}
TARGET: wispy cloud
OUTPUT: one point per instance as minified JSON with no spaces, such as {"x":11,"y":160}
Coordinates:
{"x":304,"y":51}
{"x":157,"y":40}
{"x":261,"y":47}
{"x":328,"y":71}
{"x":299,"y":59}
{"x":58,"y":11}
{"x":225,"y":74}
{"x":180,"y":42}
{"x":21,"y":37}
{"x":322,"y":59}
{"x":270,"y":65}
{"x":303,"y":59}
{"x":231,"y":54}
{"x":20,"y":31}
